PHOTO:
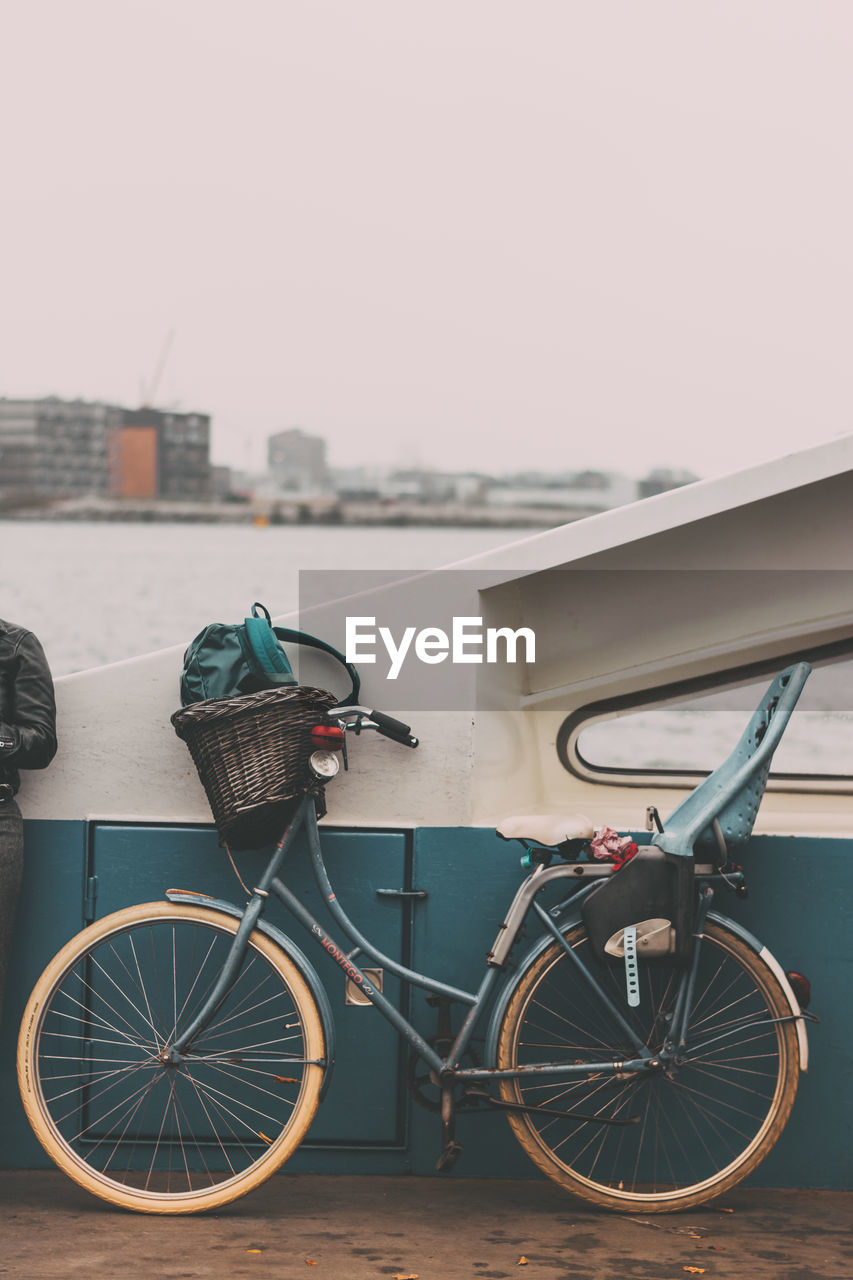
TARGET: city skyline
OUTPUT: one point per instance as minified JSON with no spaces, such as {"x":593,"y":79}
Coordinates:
{"x":54,"y":450}
{"x":262,"y":444}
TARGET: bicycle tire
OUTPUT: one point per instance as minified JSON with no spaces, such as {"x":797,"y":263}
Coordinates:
{"x":144,"y":1135}
{"x":700,"y":1129}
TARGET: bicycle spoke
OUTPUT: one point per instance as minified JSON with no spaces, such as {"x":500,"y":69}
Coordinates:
{"x":90,"y":1077}
{"x":180,"y":1016}
{"x":250,"y":1083}
{"x":97,"y":995}
{"x":91,"y":1016}
{"x":214,"y":1129}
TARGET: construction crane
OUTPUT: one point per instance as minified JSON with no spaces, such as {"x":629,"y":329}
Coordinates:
{"x":149,"y":392}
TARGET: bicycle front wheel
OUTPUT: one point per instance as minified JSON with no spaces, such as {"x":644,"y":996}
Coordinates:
{"x":108,"y":1107}
{"x":699,"y":1126}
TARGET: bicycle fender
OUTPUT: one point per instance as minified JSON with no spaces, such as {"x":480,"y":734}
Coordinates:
{"x":534,"y":952}
{"x":292,"y":951}
{"x":778,"y":973}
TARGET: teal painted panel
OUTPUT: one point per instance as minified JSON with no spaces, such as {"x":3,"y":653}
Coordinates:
{"x":471,"y":876}
{"x":800,"y":905}
{"x":364,"y":1104}
{"x":50,"y":911}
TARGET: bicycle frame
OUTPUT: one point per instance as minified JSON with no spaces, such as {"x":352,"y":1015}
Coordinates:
{"x":447,"y":1068}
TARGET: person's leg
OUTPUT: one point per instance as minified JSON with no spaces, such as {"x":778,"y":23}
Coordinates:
{"x":11,"y":863}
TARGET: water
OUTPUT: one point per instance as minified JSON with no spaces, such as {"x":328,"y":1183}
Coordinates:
{"x":98,"y":592}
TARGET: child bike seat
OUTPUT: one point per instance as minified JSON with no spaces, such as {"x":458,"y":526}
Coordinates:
{"x":730,"y":796}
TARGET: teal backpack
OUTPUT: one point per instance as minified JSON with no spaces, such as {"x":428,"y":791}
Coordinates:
{"x":225,"y":659}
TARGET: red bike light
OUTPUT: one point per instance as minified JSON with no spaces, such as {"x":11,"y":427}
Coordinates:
{"x":329,"y":736}
{"x":802,"y":988}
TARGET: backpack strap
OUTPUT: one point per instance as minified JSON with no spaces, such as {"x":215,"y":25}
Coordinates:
{"x":302,"y":637}
{"x":266,"y":655}
{"x":271,"y":659}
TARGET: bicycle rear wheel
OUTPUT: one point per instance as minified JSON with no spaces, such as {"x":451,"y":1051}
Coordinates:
{"x":700,"y":1126}
{"x":135,"y":1130}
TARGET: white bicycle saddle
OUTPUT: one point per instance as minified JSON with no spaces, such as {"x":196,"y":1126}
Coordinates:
{"x":546,"y":828}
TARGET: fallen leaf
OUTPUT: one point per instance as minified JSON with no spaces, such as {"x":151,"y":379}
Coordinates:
{"x":399,"y":1276}
{"x":522,"y":1262}
{"x":309,"y":1262}
{"x":722,"y":1209}
{"x":253,"y":1250}
{"x":696,"y":1271}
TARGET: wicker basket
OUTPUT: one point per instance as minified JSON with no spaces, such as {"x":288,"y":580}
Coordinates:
{"x":251,"y":753}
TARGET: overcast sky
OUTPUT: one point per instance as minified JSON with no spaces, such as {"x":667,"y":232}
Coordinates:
{"x":463,"y":233}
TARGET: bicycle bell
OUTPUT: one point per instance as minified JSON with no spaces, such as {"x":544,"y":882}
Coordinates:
{"x":323,"y":764}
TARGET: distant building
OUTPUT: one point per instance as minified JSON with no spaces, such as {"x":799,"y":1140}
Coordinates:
{"x":357,"y":484}
{"x":245,"y":485}
{"x":297,"y":462}
{"x":662,"y":480}
{"x":158,"y":453}
{"x":584,"y":493}
{"x":55,"y":448}
{"x":221,"y":483}
{"x":432,"y":488}
{"x":133,"y":462}
{"x":418,"y":485}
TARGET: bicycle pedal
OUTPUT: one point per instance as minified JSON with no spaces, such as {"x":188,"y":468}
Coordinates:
{"x":450,"y":1154}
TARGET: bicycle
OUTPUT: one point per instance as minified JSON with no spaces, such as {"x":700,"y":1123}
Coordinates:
{"x":173,"y":1055}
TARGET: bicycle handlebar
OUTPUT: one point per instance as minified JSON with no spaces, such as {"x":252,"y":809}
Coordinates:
{"x":394,"y":729}
{"x":365,"y":718}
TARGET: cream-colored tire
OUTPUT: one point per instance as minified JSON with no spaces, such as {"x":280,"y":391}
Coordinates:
{"x":698,"y":1128}
{"x":130,"y":1127}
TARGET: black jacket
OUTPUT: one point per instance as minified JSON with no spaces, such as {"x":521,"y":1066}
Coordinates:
{"x":27,"y":706}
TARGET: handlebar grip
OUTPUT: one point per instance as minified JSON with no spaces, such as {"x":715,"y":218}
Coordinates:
{"x":394,"y":729}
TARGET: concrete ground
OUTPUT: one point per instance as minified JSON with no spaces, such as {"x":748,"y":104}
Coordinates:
{"x":379,"y":1228}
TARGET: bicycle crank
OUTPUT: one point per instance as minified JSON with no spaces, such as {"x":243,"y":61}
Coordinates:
{"x":423,"y":1083}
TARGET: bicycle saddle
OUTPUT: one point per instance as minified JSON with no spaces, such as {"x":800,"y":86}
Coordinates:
{"x":546,"y":828}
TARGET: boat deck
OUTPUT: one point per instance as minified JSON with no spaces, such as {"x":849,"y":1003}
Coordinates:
{"x":439,"y":1228}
